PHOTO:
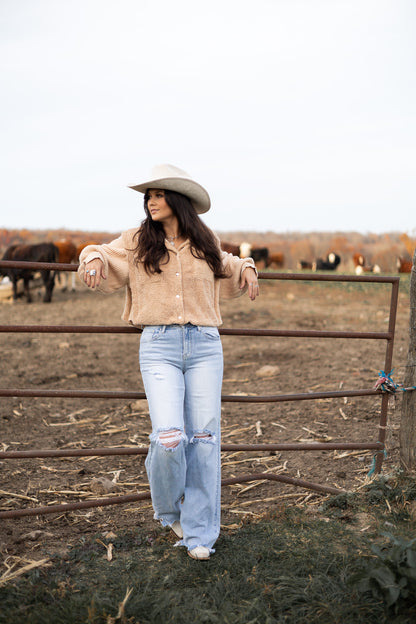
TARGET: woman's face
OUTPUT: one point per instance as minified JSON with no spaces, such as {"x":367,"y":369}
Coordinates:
{"x":157,"y":206}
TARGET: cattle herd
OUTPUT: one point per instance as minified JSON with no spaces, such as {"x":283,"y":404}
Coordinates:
{"x":330,"y":263}
{"x":66,"y":252}
{"x":62,"y":251}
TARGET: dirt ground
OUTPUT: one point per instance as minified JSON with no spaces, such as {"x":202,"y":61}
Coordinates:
{"x":110,"y":362}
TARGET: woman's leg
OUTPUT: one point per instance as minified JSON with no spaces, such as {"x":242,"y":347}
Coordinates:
{"x":160,"y":365}
{"x":200,"y":512}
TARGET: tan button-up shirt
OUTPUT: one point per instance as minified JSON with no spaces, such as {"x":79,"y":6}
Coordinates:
{"x":185,"y":292}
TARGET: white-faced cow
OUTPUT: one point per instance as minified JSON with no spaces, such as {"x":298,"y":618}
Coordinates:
{"x":404,"y":266}
{"x":330,"y":264}
{"x":360,"y":265}
{"x":43,"y":252}
{"x":259,"y":254}
{"x":372,"y":268}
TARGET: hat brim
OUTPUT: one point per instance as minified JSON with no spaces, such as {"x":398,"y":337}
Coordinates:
{"x":196,"y":193}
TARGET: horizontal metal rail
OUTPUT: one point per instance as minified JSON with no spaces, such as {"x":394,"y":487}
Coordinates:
{"x":142,"y":450}
{"x":231,"y":398}
{"x":120,"y":329}
{"x":65,"y":507}
{"x":311,"y":277}
{"x":40,"y":266}
{"x":128,"y":498}
{"x":326,"y":277}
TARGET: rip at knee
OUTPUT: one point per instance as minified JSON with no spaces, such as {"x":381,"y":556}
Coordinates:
{"x":170,"y":439}
{"x":205,"y":437}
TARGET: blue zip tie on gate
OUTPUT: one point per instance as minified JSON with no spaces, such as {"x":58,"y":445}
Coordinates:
{"x":386,"y":383}
{"x":373,"y":467}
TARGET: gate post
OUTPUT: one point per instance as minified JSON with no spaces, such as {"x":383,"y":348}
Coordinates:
{"x":408,"y":422}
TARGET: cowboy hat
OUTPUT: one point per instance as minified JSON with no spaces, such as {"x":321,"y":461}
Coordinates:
{"x":171,"y":178}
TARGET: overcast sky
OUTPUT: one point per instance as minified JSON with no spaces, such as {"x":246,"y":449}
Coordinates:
{"x":296,"y":115}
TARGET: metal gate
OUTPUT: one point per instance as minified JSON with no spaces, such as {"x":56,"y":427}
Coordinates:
{"x":378,"y":447}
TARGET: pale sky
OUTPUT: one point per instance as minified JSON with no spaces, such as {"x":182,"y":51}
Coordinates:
{"x":295,"y":115}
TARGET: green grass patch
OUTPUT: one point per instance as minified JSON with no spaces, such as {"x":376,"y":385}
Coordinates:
{"x":297,"y":565}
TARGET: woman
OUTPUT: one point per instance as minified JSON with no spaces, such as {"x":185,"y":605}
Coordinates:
{"x":174,"y":272}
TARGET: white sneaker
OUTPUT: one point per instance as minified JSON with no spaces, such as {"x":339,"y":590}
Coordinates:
{"x":200,"y":552}
{"x":177,"y":529}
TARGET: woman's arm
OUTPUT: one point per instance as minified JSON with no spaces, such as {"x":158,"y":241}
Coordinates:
{"x":110,"y":263}
{"x":239,"y":277}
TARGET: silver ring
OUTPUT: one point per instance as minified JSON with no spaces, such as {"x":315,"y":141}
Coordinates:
{"x":93,"y":272}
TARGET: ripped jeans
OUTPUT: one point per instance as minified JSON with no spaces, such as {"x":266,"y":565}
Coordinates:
{"x":181,"y":367}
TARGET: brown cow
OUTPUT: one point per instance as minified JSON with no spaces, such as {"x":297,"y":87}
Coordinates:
{"x":230,"y":248}
{"x":82,"y":246}
{"x":358,"y":259}
{"x":404,"y":266}
{"x":67,"y":255}
{"x":361,"y":267}
{"x":277,"y":258}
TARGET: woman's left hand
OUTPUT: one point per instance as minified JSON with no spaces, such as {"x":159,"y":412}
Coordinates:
{"x":249,"y":279}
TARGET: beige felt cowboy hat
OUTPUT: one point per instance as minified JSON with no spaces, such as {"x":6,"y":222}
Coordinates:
{"x":171,"y":178}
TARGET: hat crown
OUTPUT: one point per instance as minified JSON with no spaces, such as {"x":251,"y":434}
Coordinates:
{"x":168,"y":171}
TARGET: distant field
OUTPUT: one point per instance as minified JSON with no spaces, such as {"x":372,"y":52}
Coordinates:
{"x":380,"y":249}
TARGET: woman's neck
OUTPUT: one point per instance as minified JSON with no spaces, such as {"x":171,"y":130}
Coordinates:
{"x":172,"y":234}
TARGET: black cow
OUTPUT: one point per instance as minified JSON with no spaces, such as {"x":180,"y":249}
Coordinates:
{"x":259,"y":254}
{"x":43,"y":252}
{"x":330,"y":264}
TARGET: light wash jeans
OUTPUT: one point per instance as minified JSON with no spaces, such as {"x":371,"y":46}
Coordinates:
{"x":182,"y":368}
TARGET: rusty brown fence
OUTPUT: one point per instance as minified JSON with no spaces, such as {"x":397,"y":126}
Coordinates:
{"x":378,"y":447}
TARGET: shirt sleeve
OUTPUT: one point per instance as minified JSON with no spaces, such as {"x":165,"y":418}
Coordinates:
{"x":234,"y":267}
{"x":115,"y":259}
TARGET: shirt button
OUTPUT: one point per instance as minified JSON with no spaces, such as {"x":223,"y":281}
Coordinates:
{"x":179,"y":317}
{"x":177,"y":274}
{"x":177,"y":296}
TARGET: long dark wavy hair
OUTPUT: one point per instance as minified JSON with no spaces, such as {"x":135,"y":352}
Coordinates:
{"x":151,"y":248}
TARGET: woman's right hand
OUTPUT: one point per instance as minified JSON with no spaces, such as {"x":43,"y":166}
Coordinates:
{"x":94,"y":272}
